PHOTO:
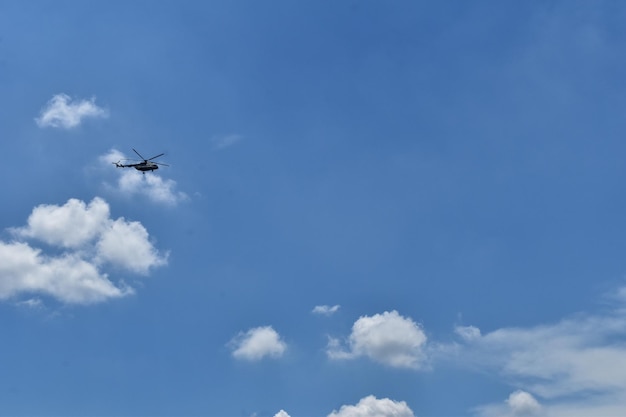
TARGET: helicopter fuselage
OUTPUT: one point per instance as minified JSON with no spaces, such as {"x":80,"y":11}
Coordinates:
{"x":146,"y":166}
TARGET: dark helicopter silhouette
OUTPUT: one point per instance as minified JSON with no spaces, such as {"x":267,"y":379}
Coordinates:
{"x":145,"y":165}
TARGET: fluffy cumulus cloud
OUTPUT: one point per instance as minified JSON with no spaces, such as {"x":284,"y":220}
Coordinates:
{"x":371,"y":406}
{"x":81,"y":237}
{"x":281,"y":413}
{"x":258,"y":343}
{"x":388,"y":338}
{"x":64,"y":112}
{"x":325,"y":310}
{"x":31,"y":303}
{"x":574,"y":367}
{"x":68,"y":278}
{"x":131,"y":182}
{"x":127,"y":244}
{"x":68,"y":226}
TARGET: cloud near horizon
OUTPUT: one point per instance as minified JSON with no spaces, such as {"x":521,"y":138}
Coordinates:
{"x":63,"y":112}
{"x":84,"y":240}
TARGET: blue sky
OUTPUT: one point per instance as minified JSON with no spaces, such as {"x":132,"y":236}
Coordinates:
{"x":372,"y":208}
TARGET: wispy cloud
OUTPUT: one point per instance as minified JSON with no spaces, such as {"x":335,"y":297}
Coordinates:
{"x":387,"y":338}
{"x":258,"y":343}
{"x":64,"y":112}
{"x":131,"y":182}
{"x":574,"y":367}
{"x":84,"y":240}
{"x":467,"y":333}
{"x":225,"y":141}
{"x":31,"y":303}
{"x":371,"y":406}
{"x":325,"y":310}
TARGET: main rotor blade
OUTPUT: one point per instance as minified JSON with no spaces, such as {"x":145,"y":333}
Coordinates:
{"x":144,"y":159}
{"x":154,"y":157}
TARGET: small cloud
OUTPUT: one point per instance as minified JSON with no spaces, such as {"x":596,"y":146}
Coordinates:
{"x":281,"y":413}
{"x":257,"y":343}
{"x":325,"y":310}
{"x":522,"y":403}
{"x":61,"y":111}
{"x":387,"y":338}
{"x":371,"y":406}
{"x":335,"y":350}
{"x":221,"y":142}
{"x":467,"y":333}
{"x":32,"y":303}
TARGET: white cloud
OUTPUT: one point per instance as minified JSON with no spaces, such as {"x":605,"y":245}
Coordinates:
{"x":257,"y":343}
{"x":62,"y":111}
{"x":325,"y":310}
{"x":519,"y":404}
{"x":221,"y":142}
{"x":72,"y":274}
{"x":69,"y":226}
{"x":33,"y":303}
{"x":281,"y":413}
{"x":370,"y":406}
{"x":522,"y":403}
{"x":111,"y":157}
{"x":151,"y":186}
{"x":467,"y":333}
{"x":567,"y":358}
{"x":127,"y":244}
{"x":387,"y":338}
{"x":131,"y":182}
{"x":68,"y":278}
{"x":576,"y":366}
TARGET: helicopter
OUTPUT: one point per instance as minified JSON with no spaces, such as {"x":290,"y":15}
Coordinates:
{"x":146,"y":165}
